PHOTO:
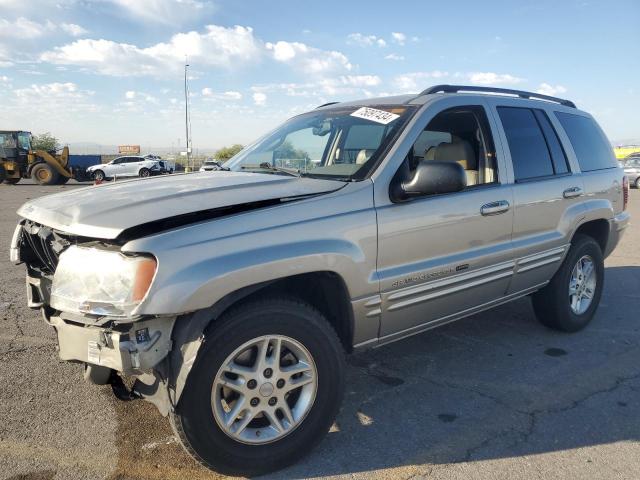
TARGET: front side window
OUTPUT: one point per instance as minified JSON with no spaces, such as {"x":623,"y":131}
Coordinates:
{"x":589,"y":143}
{"x":460,"y":135}
{"x":339,"y":143}
{"x":24,"y":141}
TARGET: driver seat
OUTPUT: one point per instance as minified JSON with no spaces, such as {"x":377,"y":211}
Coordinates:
{"x":457,"y":151}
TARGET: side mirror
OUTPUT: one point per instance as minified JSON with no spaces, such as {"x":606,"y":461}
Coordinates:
{"x":430,"y":178}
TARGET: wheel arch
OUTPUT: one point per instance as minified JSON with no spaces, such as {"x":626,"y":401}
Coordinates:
{"x":597,"y":229}
{"x":326,"y":291}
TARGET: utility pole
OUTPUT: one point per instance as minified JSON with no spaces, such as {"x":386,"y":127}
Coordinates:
{"x":186,"y":108}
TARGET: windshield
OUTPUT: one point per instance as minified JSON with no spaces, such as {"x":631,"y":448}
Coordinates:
{"x":340,"y":143}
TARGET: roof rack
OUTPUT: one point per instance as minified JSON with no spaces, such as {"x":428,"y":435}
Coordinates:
{"x":326,"y":104}
{"x":505,"y":91}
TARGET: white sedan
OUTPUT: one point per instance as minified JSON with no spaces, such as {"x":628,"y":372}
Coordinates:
{"x":129,"y":166}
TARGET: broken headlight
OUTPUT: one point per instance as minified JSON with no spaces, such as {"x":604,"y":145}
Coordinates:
{"x":100,"y":282}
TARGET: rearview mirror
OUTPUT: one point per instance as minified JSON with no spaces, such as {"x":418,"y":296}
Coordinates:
{"x":431,"y":178}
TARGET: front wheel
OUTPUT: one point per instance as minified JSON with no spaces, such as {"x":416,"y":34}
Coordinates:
{"x":569,"y":301}
{"x":98,"y":175}
{"x":637,"y":183}
{"x":44,"y":174}
{"x":264,"y":390}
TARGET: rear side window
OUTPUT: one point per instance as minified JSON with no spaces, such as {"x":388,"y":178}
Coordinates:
{"x":592,"y":149}
{"x":529,"y":152}
{"x":555,"y":148}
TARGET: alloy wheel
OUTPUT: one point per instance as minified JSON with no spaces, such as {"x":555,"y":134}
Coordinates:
{"x":582,"y":285}
{"x":264,"y":389}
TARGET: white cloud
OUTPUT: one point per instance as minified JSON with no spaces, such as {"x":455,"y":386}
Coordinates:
{"x":395,"y":57}
{"x":73,"y":29}
{"x":22,"y":28}
{"x":365,"y":40}
{"x":491,"y":78}
{"x":56,"y":89}
{"x":361,"y":80}
{"x":412,"y":82}
{"x":343,"y":85}
{"x":547,"y":89}
{"x":230,"y":95}
{"x":217,"y":47}
{"x":260,"y":99}
{"x":164,"y":11}
{"x":399,"y":38}
{"x":130,"y":95}
{"x":308,"y":59}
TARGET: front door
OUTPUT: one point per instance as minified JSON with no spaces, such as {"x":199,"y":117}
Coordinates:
{"x":445,"y":255}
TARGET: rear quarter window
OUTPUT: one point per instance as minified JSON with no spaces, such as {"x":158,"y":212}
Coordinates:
{"x":588,"y":141}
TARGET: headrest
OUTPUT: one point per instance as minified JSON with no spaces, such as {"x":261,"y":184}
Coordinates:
{"x":459,"y":151}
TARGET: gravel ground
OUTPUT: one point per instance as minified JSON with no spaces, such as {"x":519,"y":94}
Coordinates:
{"x":493,"y":396}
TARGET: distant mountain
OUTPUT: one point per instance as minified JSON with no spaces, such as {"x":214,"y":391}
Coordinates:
{"x":91,"y":148}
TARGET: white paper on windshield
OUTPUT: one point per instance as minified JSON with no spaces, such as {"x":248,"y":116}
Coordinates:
{"x":375,"y":115}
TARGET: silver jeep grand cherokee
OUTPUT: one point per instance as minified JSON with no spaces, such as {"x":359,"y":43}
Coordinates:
{"x":231,"y":297}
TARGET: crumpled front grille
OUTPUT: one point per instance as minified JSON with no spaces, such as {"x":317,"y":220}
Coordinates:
{"x":43,"y":247}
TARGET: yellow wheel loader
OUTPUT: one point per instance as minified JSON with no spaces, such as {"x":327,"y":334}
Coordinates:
{"x":18,"y":160}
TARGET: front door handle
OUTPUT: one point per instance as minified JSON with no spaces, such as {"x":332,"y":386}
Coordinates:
{"x":494,"y":208}
{"x":572,"y":192}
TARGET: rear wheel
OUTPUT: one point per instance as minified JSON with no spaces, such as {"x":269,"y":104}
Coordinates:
{"x":264,"y":390}
{"x":637,"y":182}
{"x":11,"y":181}
{"x":144,"y":172}
{"x":570,"y":300}
{"x":44,"y":174}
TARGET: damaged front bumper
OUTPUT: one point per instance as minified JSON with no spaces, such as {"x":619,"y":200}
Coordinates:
{"x":131,"y":349}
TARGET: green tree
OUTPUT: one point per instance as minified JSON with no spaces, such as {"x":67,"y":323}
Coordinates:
{"x":225,"y":153}
{"x":45,"y":141}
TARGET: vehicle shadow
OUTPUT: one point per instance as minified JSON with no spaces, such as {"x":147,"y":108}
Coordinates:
{"x":495,"y":385}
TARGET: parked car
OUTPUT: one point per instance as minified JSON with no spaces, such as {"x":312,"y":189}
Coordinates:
{"x":210,"y":165}
{"x":231,"y":298}
{"x":632,"y":170}
{"x":128,"y":166}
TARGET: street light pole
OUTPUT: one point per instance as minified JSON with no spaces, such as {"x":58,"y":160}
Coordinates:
{"x":186,"y":109}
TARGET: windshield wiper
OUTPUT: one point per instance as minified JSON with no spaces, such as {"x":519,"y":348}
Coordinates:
{"x":272,"y":168}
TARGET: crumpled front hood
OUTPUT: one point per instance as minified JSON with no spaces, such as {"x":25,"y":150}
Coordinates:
{"x":105,"y":211}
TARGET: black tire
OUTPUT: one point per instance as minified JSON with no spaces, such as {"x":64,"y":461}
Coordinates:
{"x":144,"y":173}
{"x":63,"y":180}
{"x":637,"y":183}
{"x":99,"y":175}
{"x":11,"y":181}
{"x":551,"y":304}
{"x":44,"y":174}
{"x":194,"y":422}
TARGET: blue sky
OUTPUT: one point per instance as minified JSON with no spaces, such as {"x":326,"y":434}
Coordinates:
{"x":110,"y":71}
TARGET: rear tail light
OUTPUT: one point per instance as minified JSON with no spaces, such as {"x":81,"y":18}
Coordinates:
{"x":625,"y":192}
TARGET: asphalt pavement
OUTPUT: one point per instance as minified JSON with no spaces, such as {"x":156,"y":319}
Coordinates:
{"x":493,"y":396}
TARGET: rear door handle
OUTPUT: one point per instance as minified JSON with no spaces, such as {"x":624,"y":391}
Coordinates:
{"x":494,"y":208}
{"x":572,"y":192}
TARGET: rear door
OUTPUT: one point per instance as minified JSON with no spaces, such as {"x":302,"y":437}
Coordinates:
{"x":547,"y":194}
{"x":442,"y":256}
